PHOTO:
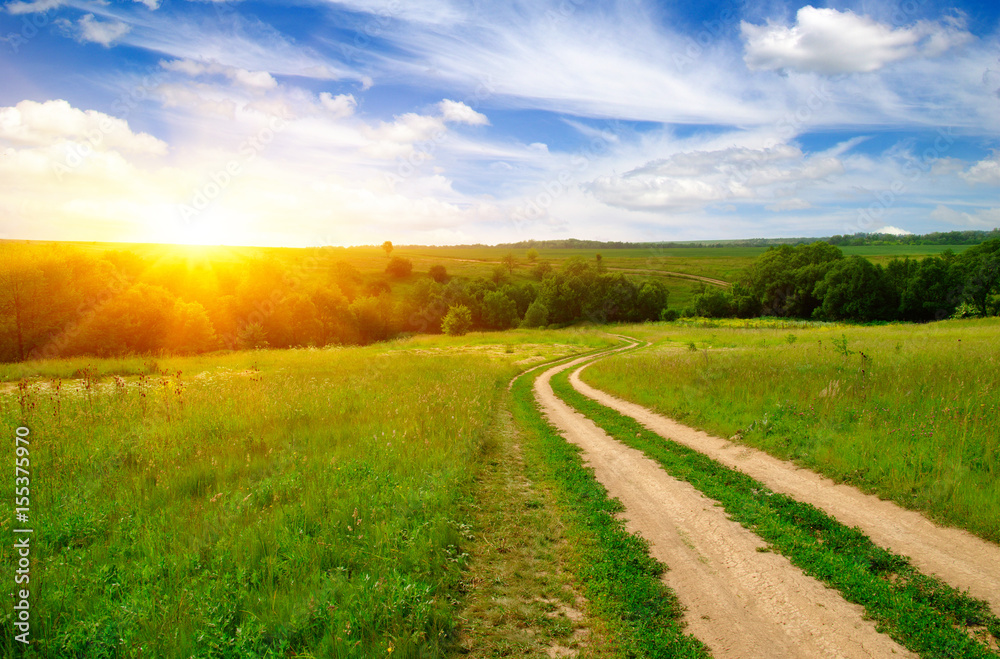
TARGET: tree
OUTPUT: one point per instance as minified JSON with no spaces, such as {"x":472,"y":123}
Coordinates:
{"x":532,"y":255}
{"x":438,"y":273}
{"x":20,"y":284}
{"x":399,"y":267}
{"x":387,"y":246}
{"x":510,"y":261}
{"x":856,"y":289}
{"x":251,"y":336}
{"x":537,"y":315}
{"x":499,"y":311}
{"x":191,"y":331}
{"x":651,"y":300}
{"x":457,"y":321}
{"x":600,"y":262}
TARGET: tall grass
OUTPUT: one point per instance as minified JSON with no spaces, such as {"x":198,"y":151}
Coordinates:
{"x":906,"y":411}
{"x":258,"y":504}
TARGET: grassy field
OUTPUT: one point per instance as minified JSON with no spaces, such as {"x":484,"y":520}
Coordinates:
{"x":294,"y":503}
{"x":905,"y":411}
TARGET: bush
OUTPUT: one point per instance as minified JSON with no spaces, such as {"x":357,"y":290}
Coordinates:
{"x":399,"y":267}
{"x":669,"y":315}
{"x":537,"y":315}
{"x":438,"y":273}
{"x":457,"y":321}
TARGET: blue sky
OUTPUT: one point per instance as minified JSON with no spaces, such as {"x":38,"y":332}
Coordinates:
{"x":439,"y":122}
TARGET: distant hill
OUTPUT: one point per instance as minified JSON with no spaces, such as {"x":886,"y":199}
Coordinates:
{"x":858,"y":239}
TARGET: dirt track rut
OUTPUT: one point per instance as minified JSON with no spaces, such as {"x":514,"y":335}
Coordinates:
{"x":739,"y":601}
{"x":957,"y":557}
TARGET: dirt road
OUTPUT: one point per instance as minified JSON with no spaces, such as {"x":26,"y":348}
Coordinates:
{"x":957,"y":557}
{"x":739,"y":601}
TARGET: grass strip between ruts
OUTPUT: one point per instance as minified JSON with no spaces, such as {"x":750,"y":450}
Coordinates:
{"x":922,"y":613}
{"x":619,"y":577}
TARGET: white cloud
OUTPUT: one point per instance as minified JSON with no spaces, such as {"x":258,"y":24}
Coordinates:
{"x":102,"y":32}
{"x":894,"y":231}
{"x":698,"y":177}
{"x":985,"y":171}
{"x":828,"y":41}
{"x":794,"y":204}
{"x":151,"y":5}
{"x":339,"y":106}
{"x":250,"y":80}
{"x":33,"y":7}
{"x":457,"y":112}
{"x":54,"y":122}
{"x":986,"y":218}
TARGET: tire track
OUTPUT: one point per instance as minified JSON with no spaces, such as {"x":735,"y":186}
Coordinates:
{"x":740,"y":601}
{"x":955,"y":556}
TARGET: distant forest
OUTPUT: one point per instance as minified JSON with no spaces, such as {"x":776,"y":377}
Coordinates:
{"x":855,"y":240}
{"x":816,"y":281}
{"x":60,"y":301}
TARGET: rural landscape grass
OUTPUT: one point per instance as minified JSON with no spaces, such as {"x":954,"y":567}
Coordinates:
{"x":397,"y":500}
{"x":266,"y":503}
{"x":905,"y":411}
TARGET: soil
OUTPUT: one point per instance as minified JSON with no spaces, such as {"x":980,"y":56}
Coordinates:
{"x":957,"y":557}
{"x":739,"y":600}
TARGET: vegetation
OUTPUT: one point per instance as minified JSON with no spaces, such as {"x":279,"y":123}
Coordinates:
{"x":261,"y":504}
{"x":816,"y":281}
{"x":920,"y":612}
{"x":64,"y":302}
{"x":619,"y":577}
{"x":904,"y":411}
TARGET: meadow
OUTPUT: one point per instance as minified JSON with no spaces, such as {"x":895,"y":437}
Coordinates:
{"x":267,"y":503}
{"x":905,"y":411}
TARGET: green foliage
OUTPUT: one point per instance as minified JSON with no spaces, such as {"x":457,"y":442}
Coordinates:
{"x":913,"y":420}
{"x":532,"y":255}
{"x":856,"y":289}
{"x":399,"y":267}
{"x":438,"y":273}
{"x":252,"y":336}
{"x":922,"y":613}
{"x":620,"y":578}
{"x":536,"y":316}
{"x":387,"y":246}
{"x":457,"y":321}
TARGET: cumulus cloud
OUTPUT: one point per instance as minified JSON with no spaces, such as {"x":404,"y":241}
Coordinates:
{"x":458,"y":112}
{"x":894,"y":231}
{"x":698,"y":177}
{"x":985,"y":171}
{"x":102,"y":32}
{"x":828,"y":41}
{"x":339,"y":106}
{"x":250,"y":80}
{"x":53,"y":122}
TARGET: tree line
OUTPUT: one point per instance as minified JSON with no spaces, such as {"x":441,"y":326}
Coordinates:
{"x":816,"y":281}
{"x":61,"y":301}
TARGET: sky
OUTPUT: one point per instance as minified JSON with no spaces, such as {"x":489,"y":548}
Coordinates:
{"x":314,"y":122}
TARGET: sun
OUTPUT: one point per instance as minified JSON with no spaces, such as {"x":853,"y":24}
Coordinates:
{"x":211,"y":227}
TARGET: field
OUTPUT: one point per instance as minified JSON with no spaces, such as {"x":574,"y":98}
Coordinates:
{"x":906,"y":411}
{"x":398,"y":500}
{"x":255,"y":504}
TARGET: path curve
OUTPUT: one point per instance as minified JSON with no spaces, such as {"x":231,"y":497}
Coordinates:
{"x":741,"y":602}
{"x":957,"y":557}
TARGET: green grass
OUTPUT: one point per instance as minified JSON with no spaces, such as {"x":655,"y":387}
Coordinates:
{"x":619,"y":577}
{"x":265,"y":504}
{"x":920,"y":612}
{"x":914,"y":421}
